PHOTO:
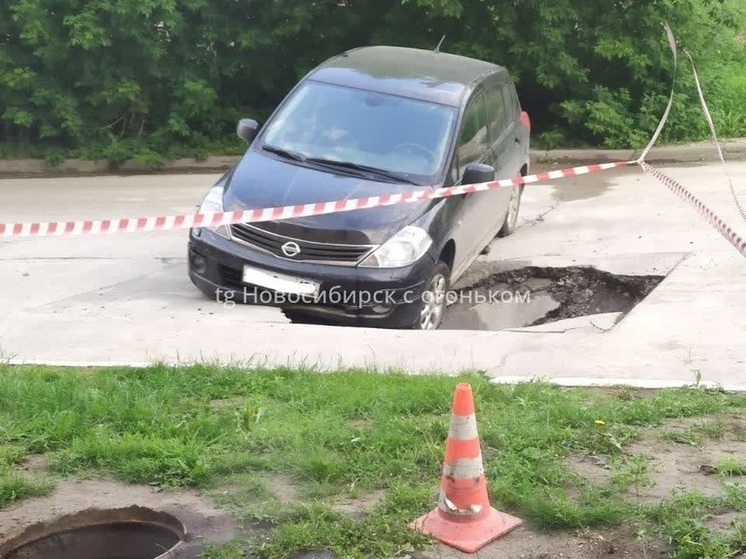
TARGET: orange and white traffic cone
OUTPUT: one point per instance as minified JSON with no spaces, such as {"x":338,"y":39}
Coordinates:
{"x":464,"y":518}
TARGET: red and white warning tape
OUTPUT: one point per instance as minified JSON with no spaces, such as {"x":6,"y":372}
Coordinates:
{"x":165,"y":223}
{"x":677,"y":188}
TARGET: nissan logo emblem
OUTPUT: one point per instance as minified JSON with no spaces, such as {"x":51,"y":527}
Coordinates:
{"x":291,"y":249}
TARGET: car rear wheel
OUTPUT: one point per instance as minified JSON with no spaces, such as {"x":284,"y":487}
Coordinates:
{"x":511,"y":218}
{"x":434,"y":299}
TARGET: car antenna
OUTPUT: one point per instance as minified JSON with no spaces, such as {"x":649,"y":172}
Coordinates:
{"x":440,"y":44}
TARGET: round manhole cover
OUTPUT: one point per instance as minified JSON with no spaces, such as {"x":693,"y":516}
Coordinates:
{"x":132,"y":533}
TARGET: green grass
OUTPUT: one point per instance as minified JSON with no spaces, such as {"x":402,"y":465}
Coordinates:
{"x":231,"y":550}
{"x":352,"y":432}
{"x":683,"y":519}
{"x":14,"y":487}
{"x":696,"y":434}
{"x":724,"y":95}
{"x":633,"y":475}
{"x":731,"y":466}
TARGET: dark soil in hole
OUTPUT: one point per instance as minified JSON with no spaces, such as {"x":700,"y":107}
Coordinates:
{"x":132,"y":533}
{"x":533,"y":296}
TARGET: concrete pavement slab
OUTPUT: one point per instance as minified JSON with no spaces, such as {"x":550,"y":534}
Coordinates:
{"x":126,"y":299}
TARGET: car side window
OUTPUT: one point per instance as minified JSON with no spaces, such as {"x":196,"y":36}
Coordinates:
{"x":474,"y":141}
{"x":511,"y":101}
{"x":497,"y":109}
{"x":512,"y":94}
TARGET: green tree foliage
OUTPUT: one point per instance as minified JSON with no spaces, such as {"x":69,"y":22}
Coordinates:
{"x":114,"y":77}
{"x":598,"y":72}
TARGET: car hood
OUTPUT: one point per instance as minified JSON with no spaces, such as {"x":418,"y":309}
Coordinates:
{"x":260,"y":181}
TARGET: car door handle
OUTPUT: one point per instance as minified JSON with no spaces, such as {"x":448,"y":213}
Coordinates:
{"x":518,"y":140}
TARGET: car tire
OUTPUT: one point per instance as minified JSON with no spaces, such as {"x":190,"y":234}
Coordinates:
{"x":432,"y":306}
{"x":514,"y":207}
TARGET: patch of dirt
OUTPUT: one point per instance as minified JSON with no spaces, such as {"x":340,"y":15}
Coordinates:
{"x":725,"y":522}
{"x":623,"y":393}
{"x":204,"y":522}
{"x":523,"y":543}
{"x":283,"y":488}
{"x":592,"y":468}
{"x":222,"y":403}
{"x":34,"y":463}
{"x":362,"y":423}
{"x":532,"y":296}
{"x":672,"y":466}
{"x":320,"y":554}
{"x":358,"y":508}
{"x":735,"y":422}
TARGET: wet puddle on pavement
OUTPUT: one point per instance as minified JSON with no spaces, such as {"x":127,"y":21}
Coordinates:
{"x":498,"y":315}
{"x":585,"y":187}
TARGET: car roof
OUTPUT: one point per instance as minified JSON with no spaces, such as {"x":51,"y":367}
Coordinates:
{"x":420,"y":74}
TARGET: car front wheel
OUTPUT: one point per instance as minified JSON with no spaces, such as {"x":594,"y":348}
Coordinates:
{"x":434,"y":299}
{"x":511,"y":218}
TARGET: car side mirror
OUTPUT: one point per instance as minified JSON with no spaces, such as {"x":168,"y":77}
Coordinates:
{"x":246,"y":129}
{"x":478,"y":173}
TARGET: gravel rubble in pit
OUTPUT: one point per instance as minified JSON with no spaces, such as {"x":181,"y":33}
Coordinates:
{"x":533,"y":296}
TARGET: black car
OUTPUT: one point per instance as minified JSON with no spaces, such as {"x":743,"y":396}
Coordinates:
{"x":372,"y":121}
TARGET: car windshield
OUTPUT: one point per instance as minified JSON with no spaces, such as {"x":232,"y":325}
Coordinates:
{"x":376,"y":130}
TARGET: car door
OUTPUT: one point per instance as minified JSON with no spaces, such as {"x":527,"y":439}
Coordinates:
{"x":517,"y":143}
{"x":503,"y":147}
{"x":475,"y":216}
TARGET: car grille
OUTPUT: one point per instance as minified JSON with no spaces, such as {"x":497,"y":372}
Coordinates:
{"x":309,"y":251}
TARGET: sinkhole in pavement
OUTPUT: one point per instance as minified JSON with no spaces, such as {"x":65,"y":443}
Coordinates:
{"x":533,"y":296}
{"x":131,"y":533}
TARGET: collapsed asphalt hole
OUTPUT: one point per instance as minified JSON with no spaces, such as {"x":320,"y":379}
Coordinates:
{"x":533,"y":296}
{"x":130,"y":533}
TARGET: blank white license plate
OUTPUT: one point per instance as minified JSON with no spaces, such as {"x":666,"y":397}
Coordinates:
{"x":279,"y":282}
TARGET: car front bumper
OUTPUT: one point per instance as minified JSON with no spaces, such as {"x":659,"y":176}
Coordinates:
{"x":348,"y":295}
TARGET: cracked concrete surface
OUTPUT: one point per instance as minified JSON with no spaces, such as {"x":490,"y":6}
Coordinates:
{"x":540,"y":218}
{"x":126,"y":299}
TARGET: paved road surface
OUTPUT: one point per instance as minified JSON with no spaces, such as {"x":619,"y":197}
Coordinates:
{"x":127,"y":299}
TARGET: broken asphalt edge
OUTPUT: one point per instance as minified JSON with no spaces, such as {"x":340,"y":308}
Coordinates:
{"x":697,"y":153}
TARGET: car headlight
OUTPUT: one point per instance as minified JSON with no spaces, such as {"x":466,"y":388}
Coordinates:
{"x":213,"y":203}
{"x":404,"y":248}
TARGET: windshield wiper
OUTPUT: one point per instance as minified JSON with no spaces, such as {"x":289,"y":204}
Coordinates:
{"x":365,"y":168}
{"x":286,"y":153}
